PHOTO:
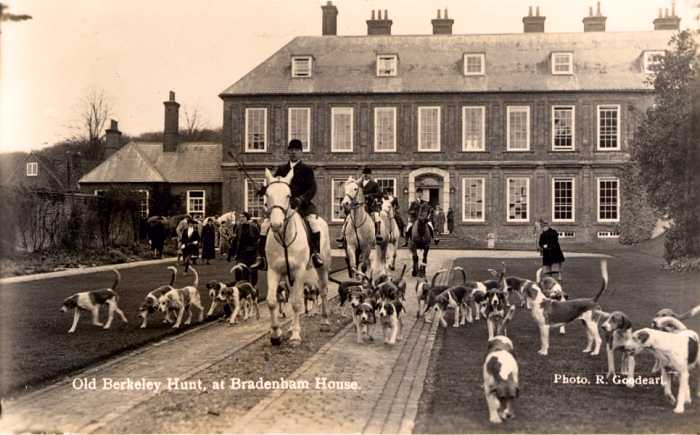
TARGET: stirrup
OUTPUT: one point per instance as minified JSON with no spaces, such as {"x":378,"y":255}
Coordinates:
{"x":316,"y":259}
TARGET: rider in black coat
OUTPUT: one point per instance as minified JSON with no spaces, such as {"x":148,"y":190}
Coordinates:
{"x":372,"y":194}
{"x":413,"y":216}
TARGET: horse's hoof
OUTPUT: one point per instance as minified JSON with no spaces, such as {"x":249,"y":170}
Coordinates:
{"x":276,"y":341}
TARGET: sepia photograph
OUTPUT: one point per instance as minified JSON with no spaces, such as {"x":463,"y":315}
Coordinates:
{"x":350,"y":216}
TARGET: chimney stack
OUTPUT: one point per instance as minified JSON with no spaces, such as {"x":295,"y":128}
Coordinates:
{"x":379,"y":25}
{"x":533,"y":23}
{"x":668,"y":22}
{"x":171,"y":130}
{"x":114,"y":138}
{"x":442,"y":26}
{"x":330,"y":19}
{"x":594,"y":23}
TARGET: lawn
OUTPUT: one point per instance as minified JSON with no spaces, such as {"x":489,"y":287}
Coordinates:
{"x":36,"y":347}
{"x":453,"y":400}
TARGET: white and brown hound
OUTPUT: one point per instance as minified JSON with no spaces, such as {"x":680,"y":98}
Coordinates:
{"x":363,"y":317}
{"x":500,"y":373}
{"x":390,"y":318}
{"x":617,"y":331}
{"x":152,"y":302}
{"x":549,"y":313}
{"x":179,"y":300}
{"x":678,"y":352}
{"x":92,"y":300}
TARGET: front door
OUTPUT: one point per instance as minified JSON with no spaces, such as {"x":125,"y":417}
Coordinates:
{"x":434,"y":198}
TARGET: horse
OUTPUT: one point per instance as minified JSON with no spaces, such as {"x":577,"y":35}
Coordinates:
{"x":289,"y":258}
{"x":386,"y":251}
{"x":359,"y":228}
{"x":420,"y":238}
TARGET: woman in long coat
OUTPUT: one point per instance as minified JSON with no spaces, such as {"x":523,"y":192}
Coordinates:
{"x":208,"y":241}
{"x":552,"y":256}
{"x":450,"y":220}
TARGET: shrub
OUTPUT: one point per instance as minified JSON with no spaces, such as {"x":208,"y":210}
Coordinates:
{"x":637,"y":217}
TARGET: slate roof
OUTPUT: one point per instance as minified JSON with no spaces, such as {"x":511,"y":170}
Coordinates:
{"x":145,"y":162}
{"x":603,"y":61}
{"x":49,"y":175}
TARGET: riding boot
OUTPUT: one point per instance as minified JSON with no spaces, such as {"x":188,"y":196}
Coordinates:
{"x":407,"y":237}
{"x":432,"y":235}
{"x":378,"y":232}
{"x":260,"y":262}
{"x":316,"y":249}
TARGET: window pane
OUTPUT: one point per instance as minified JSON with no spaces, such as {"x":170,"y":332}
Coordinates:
{"x":519,"y":128}
{"x":384,"y":129}
{"x":301,"y":67}
{"x":563,"y":127}
{"x":518,"y":199}
{"x":254,"y":204}
{"x":563,"y":198}
{"x":337,"y":192}
{"x":429,"y":134}
{"x":473,"y":209}
{"x":255,"y":124}
{"x":474,"y":64}
{"x":387,"y":184}
{"x":386,"y":65}
{"x":562,"y":63}
{"x":342,"y":129}
{"x":299,"y":126}
{"x":608,"y":119}
{"x":195,"y":203}
{"x":472,"y":128}
{"x":608,"y":199}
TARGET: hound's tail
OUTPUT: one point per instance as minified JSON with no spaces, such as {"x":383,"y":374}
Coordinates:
{"x":173,"y":271}
{"x":117,"y":278}
{"x":432,"y":282}
{"x":464,"y":274}
{"x":195,"y":284}
{"x":604,"y":274}
{"x":538,"y":275}
{"x":695,"y":310}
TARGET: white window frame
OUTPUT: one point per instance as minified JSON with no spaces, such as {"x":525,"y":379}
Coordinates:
{"x":608,"y":234}
{"x":515,"y":109}
{"x":335,"y":110}
{"x":376,"y":130}
{"x":421,"y":147}
{"x":295,"y":70}
{"x":333,"y":201}
{"x":147,"y":198}
{"x":619,"y":126}
{"x":483,"y":129}
{"x":598,"y":181}
{"x":246,"y":191}
{"x":483,"y":199}
{"x":527,"y":192}
{"x":248,"y":149}
{"x":388,"y":73}
{"x":482,"y":60}
{"x":648,"y":61}
{"x":392,"y":179}
{"x":569,"y":63}
{"x":306,"y":144}
{"x":573,"y":198}
{"x":573,"y":128}
{"x":190,"y":211}
{"x":32,"y":169}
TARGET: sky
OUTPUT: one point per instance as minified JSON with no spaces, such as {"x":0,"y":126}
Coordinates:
{"x":135,"y":51}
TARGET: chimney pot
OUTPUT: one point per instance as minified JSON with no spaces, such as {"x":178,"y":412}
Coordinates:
{"x":666,"y":21}
{"x":386,"y":14}
{"x":112,"y":139}
{"x":673,"y":8}
{"x":446,"y":13}
{"x":379,"y":25}
{"x":442,"y":25}
{"x":439,"y":14}
{"x":171,"y":128}
{"x":329,"y":20}
{"x":594,"y":23}
{"x":172,"y":96}
{"x":598,"y":11}
{"x":533,"y":23}
{"x":590,"y":11}
{"x":538,"y":11}
{"x":529,"y":11}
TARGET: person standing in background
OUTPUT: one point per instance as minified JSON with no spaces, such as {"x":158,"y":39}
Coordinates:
{"x":208,"y":241}
{"x":450,"y":220}
{"x":552,"y":256}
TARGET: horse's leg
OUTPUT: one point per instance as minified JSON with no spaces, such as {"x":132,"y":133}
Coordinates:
{"x":425,"y":254}
{"x":273,"y":280}
{"x":296,"y":299}
{"x":323,"y":290}
{"x":414,"y":256}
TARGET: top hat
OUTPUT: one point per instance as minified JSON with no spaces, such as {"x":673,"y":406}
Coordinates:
{"x":246,"y":214}
{"x":294,"y":144}
{"x":367,"y":171}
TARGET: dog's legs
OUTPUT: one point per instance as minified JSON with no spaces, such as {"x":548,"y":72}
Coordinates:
{"x":189,"y":315}
{"x":76,"y":316}
{"x":96,"y":315}
{"x":476,"y":311}
{"x":492,"y":403}
{"x":682,"y":392}
{"x":441,"y":317}
{"x":490,"y":328}
{"x":110,"y":314}
{"x":611,"y":360}
{"x":145,"y":319}
{"x":400,"y":330}
{"x":180,"y":315}
{"x":197,"y":302}
{"x":562,"y":330}
{"x":212,"y":307}
{"x":395,"y":331}
{"x":469,"y":313}
{"x":593,"y":331}
{"x":455,"y":323}
{"x":236,"y":309}
{"x":666,"y":382}
{"x":120,"y":312}
{"x":630,"y":371}
{"x":463,"y":317}
{"x":544,"y":339}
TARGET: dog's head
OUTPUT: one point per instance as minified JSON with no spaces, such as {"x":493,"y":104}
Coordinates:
{"x":641,"y":339}
{"x":225,"y":293}
{"x":387,"y":309}
{"x":496,"y":301}
{"x":443,"y":300}
{"x":532,"y":293}
{"x":365,"y":313}
{"x":149,"y":306}
{"x":668,"y":324}
{"x":503,"y":371}
{"x":666,"y":312}
{"x":616,"y":321}
{"x":500,"y":342}
{"x":356,"y":296}
{"x":214,"y":287}
{"x":69,"y":303}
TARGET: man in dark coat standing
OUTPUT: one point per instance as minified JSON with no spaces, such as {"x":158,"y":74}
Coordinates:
{"x":245,"y":241}
{"x":303,"y":190}
{"x":209,"y":241}
{"x":552,"y":257}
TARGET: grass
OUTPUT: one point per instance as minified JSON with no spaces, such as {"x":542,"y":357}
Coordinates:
{"x":453,"y":401}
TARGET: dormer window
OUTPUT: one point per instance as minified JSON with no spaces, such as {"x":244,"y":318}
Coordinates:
{"x":32,"y":169}
{"x":474,"y":64}
{"x":652,"y":59}
{"x":562,"y":63}
{"x":301,"y":66}
{"x":387,"y":65}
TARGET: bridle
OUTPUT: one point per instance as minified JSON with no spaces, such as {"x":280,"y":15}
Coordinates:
{"x":282,"y":238}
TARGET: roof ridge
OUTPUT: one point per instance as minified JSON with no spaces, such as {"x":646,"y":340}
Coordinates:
{"x":150,"y":163}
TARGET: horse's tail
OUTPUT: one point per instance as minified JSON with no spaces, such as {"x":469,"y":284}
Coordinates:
{"x":464,"y":274}
{"x":432,"y":282}
{"x":173,"y":271}
{"x":604,"y":273}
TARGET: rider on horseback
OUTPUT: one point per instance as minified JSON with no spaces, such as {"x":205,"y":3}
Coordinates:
{"x":303,"y":189}
{"x":394,"y":203}
{"x":372,"y":194}
{"x":413,"y":216}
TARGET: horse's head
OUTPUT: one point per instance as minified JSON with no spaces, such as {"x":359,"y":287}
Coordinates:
{"x":387,"y":205}
{"x":352,"y":194}
{"x":277,"y":197}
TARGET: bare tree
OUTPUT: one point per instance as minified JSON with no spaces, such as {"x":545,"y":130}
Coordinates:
{"x":92,"y":113}
{"x":195,"y":125}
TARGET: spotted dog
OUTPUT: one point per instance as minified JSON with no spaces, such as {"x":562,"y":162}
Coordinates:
{"x":549,"y":313}
{"x":179,"y":300}
{"x":345,"y":288}
{"x":678,"y":352}
{"x":92,"y":300}
{"x":500,"y":373}
{"x":363,"y":317}
{"x":498,"y":313}
{"x":311,"y":295}
{"x":398,"y":282}
{"x":427,"y":291}
{"x":673,"y":326}
{"x":151,"y":303}
{"x":616,"y":329}
{"x":390,"y":318}
{"x":551,"y":289}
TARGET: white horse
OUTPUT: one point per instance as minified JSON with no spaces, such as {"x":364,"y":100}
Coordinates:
{"x":289,"y":258}
{"x":358,"y":229}
{"x":386,"y":251}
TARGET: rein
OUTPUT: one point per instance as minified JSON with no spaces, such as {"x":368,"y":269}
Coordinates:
{"x":282,"y":240}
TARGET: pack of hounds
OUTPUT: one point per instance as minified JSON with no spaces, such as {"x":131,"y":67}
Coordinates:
{"x":238,"y":297}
